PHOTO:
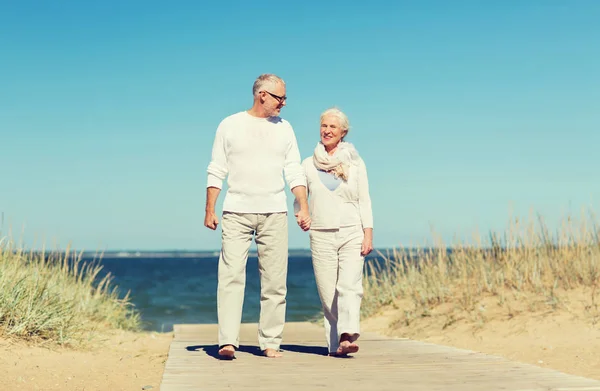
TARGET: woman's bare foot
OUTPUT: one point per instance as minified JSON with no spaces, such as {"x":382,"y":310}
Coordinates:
{"x":272,"y":353}
{"x":335,"y":354}
{"x":347,"y":347}
{"x":227,"y":351}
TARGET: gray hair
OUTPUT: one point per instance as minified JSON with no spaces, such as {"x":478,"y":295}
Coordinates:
{"x":341,"y":117}
{"x":265,"y":79}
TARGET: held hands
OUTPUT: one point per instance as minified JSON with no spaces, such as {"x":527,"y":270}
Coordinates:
{"x":303,"y":219}
{"x":210,"y":220}
{"x":301,"y":207}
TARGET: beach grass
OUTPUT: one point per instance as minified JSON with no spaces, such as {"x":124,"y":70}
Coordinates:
{"x":526,"y":262}
{"x":58,"y":298}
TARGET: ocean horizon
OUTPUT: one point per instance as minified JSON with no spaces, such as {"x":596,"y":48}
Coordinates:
{"x":168,"y":287}
{"x":174,"y":253}
{"x":183,"y":289}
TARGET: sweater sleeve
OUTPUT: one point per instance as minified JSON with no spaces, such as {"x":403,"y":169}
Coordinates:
{"x":217,"y":168}
{"x":304,"y":170}
{"x":293,"y":170}
{"x":364,"y":198}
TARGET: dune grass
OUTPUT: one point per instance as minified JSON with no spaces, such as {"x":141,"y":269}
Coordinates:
{"x":526,"y":261}
{"x":58,"y":298}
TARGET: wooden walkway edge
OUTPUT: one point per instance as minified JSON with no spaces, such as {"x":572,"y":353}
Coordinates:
{"x":382,"y":364}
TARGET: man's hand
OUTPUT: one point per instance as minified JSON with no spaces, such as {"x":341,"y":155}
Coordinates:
{"x":302,"y":216}
{"x":367,"y":244}
{"x":303,"y":219}
{"x":210,"y":220}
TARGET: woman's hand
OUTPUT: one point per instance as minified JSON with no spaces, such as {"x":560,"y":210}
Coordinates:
{"x":303,"y":219}
{"x":367,"y":244}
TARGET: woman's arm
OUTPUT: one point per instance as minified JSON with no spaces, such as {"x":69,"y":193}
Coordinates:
{"x":364,"y":206}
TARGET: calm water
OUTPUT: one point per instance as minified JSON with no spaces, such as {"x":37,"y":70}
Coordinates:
{"x":183,"y":290}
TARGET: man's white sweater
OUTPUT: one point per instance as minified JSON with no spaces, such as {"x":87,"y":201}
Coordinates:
{"x":254,"y":154}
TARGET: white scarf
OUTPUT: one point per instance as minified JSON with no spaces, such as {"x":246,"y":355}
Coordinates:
{"x":339,"y":163}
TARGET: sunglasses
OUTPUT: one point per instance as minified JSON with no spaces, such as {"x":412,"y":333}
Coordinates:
{"x":279,"y":99}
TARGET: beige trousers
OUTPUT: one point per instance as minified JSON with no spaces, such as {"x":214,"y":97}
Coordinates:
{"x":338,"y":267}
{"x":270,"y":232}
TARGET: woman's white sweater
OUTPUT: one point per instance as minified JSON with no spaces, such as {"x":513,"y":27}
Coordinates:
{"x":349,"y":204}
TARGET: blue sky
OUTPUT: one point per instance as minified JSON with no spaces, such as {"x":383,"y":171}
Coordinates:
{"x":463,"y":111}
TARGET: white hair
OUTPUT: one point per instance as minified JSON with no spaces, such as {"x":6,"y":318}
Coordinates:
{"x":341,"y":117}
{"x":264,"y":80}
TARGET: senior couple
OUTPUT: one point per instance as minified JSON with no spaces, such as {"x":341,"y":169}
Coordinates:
{"x":257,"y":151}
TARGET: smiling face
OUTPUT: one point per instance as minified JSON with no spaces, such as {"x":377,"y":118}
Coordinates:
{"x":331,"y":132}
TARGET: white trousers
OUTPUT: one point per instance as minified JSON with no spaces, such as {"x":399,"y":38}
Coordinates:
{"x":271,"y":235}
{"x":338,"y":267}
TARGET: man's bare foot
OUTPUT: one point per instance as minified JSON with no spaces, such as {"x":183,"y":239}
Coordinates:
{"x":227,"y":351}
{"x":272,"y":353}
{"x":347,"y":347}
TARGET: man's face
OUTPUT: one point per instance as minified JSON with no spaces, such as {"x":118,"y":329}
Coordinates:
{"x":274,"y":99}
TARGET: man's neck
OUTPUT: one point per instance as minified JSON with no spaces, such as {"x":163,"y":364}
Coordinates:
{"x":257,"y":111}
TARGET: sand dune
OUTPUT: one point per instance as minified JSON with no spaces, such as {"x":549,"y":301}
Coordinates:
{"x":564,"y":336}
{"x":119,"y":361}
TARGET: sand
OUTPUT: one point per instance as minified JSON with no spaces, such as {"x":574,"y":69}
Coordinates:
{"x":564,"y":337}
{"x":117,"y":361}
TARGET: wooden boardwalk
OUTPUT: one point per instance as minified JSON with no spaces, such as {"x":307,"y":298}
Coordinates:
{"x":382,"y":364}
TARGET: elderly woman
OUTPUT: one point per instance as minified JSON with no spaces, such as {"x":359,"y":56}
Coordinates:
{"x":341,"y":233}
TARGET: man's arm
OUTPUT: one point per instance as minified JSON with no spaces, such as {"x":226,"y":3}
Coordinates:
{"x":217,"y":172}
{"x":296,"y":179}
{"x":302,"y":216}
{"x":210,"y":218}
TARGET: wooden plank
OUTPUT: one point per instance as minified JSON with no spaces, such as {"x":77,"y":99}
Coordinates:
{"x":382,"y":364}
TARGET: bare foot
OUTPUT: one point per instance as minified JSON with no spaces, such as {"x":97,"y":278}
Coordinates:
{"x":347,"y":347}
{"x":335,"y":354}
{"x":272,"y":353}
{"x":227,"y":352}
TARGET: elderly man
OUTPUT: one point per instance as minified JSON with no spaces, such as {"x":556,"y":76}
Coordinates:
{"x":255,"y":149}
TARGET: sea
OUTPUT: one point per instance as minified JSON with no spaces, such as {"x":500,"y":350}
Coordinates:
{"x":168,"y":288}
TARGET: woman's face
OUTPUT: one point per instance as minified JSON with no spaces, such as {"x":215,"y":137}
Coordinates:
{"x":331,"y":133}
